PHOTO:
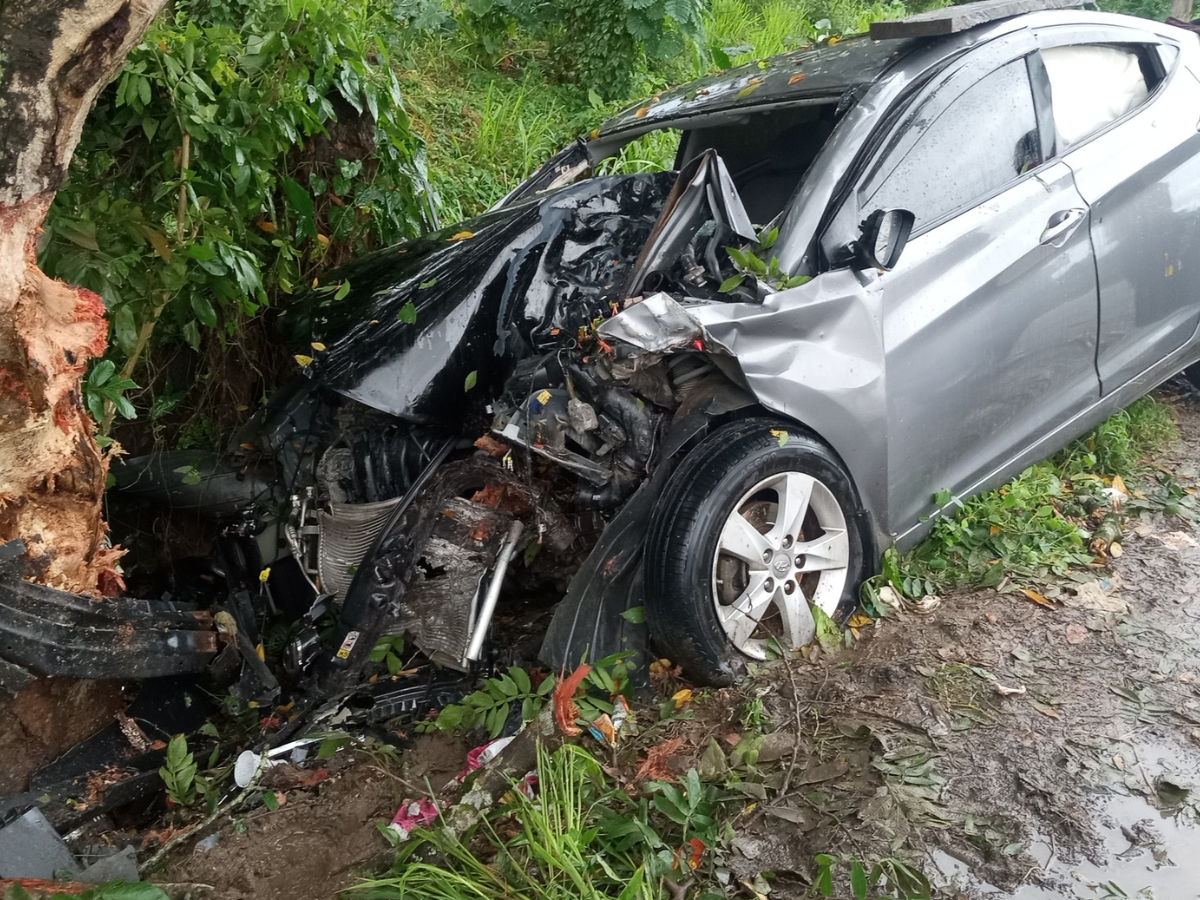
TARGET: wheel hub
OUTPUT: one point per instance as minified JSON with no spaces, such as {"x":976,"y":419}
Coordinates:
{"x":782,"y":551}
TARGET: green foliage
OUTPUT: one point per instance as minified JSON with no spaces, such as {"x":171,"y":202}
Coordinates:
{"x":179,"y":772}
{"x":749,"y":262}
{"x":581,"y":839}
{"x":112,"y":890}
{"x":100,"y":387}
{"x":206,"y":186}
{"x":490,"y":706}
{"x":389,"y":650}
{"x":889,"y":877}
{"x":1042,"y":522}
{"x":600,"y":44}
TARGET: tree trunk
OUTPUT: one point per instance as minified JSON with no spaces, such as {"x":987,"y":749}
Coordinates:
{"x":1182,"y":10}
{"x":55,"y":57}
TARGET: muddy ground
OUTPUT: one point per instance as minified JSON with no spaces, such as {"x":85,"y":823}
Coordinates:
{"x":1007,"y":747}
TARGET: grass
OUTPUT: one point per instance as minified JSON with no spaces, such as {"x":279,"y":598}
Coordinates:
{"x":551,"y":848}
{"x":1061,"y":513}
{"x":488,"y":127}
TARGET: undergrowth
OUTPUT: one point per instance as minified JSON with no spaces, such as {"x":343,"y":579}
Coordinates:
{"x":1065,"y":512}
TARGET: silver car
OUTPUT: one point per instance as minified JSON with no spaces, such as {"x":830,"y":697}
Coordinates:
{"x":686,"y":407}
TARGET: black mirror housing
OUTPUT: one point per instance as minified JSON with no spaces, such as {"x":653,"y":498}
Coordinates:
{"x":884,"y":234}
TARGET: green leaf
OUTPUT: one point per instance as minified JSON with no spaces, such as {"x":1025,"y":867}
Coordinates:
{"x":721,"y":58}
{"x":521,"y":678}
{"x":427,"y":284}
{"x":635,"y":614}
{"x":469,"y":382}
{"x":828,"y":634}
{"x":858,"y":880}
{"x":730,"y":283}
{"x":408,"y":313}
{"x":204,"y":310}
{"x":124,"y":329}
{"x":342,"y":291}
{"x":394,"y":664}
{"x":270,"y":801}
{"x":767,"y":241}
{"x":301,"y":202}
{"x":101,"y":372}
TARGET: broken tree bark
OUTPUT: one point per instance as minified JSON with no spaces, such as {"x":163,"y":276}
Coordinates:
{"x":55,"y":57}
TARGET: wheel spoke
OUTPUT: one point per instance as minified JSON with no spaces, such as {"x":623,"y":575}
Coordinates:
{"x":830,"y":551}
{"x":794,"y":489}
{"x":741,"y":617}
{"x":799,"y":627}
{"x":741,"y":539}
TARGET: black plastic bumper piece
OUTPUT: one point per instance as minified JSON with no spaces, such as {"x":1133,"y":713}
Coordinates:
{"x":51,"y":632}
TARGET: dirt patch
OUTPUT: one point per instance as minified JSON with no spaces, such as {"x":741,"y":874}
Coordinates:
{"x":322,"y":839}
{"x":48,"y":718}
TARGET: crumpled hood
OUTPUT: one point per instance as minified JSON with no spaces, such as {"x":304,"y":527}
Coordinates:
{"x":429,"y":330}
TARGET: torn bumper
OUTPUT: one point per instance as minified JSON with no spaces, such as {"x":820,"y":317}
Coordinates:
{"x":44,"y":631}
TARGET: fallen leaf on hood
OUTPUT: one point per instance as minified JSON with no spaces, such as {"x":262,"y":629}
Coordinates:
{"x":565,"y":710}
{"x":461,"y":235}
{"x":318,"y":346}
{"x":642,"y":112}
{"x":799,"y":76}
{"x":303,"y":360}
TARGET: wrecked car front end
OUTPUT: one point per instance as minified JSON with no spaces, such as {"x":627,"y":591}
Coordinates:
{"x":488,"y":415}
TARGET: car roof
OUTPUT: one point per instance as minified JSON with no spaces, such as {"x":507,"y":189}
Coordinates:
{"x":814,"y":71}
{"x":827,"y":71}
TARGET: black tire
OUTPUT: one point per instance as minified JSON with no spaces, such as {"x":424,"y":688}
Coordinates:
{"x":685,"y":530}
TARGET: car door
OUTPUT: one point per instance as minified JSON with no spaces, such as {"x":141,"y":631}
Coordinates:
{"x":989,"y":316}
{"x":1126,"y":115}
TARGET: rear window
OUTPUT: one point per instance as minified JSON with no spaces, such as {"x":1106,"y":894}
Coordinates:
{"x":1093,"y":85}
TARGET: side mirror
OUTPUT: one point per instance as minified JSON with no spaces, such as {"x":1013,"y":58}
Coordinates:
{"x":884,"y":234}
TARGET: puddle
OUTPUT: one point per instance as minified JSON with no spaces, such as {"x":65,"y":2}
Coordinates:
{"x":1162,"y":863}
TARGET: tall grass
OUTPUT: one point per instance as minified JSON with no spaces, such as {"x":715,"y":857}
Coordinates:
{"x":531,"y":849}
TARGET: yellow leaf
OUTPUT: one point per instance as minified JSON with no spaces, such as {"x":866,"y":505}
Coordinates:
{"x":323,"y":239}
{"x":858,"y":620}
{"x":268,"y":227}
{"x":995,"y":529}
{"x":1114,"y":550}
{"x":1037,"y":598}
{"x":798,"y":77}
{"x":315,"y":282}
{"x":641,"y":113}
{"x":303,"y":360}
{"x":318,"y":346}
{"x":681,"y":697}
{"x":1119,"y":484}
{"x":833,"y":40}
{"x":462,"y":235}
{"x":258,"y":649}
{"x":593,"y":134}
{"x":265,"y":574}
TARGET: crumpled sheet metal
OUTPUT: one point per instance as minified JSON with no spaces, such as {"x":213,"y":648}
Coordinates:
{"x":813,"y":353}
{"x":656,"y":324}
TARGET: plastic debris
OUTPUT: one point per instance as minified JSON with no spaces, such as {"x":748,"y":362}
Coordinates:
{"x":31,"y":848}
{"x":413,"y":814}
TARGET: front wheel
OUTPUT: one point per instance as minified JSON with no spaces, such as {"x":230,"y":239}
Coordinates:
{"x":753,"y":530}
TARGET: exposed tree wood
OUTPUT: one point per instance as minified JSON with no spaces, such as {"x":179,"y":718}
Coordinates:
{"x":55,"y":58}
{"x":1182,"y":10}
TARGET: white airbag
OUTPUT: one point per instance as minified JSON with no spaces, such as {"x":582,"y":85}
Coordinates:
{"x":1091,"y":85}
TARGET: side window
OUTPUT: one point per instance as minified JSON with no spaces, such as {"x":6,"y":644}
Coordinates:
{"x":984,"y":139}
{"x":1092,"y":85}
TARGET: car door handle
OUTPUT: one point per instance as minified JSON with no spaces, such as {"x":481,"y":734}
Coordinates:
{"x":1061,"y":224}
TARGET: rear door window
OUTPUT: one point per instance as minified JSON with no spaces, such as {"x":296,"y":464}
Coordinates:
{"x":1092,"y":85}
{"x":980,"y":142}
